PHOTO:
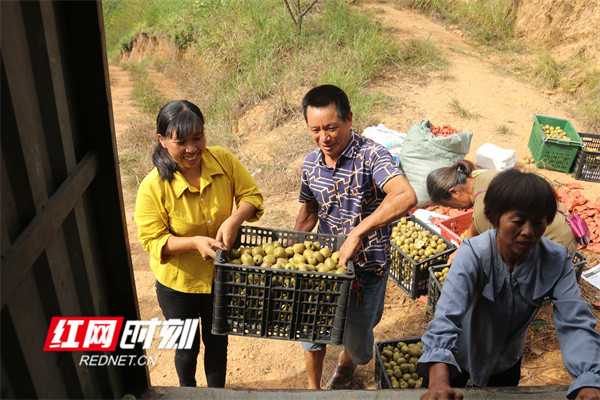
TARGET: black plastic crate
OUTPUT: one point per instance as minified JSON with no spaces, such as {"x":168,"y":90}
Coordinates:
{"x":412,"y":276}
{"x":587,"y":163}
{"x":434,"y":287}
{"x":579,"y":261}
{"x":382,"y":381}
{"x":278,"y":303}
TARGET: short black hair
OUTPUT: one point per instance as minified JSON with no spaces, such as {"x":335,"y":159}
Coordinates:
{"x":513,"y":190}
{"x":180,"y":118}
{"x":324,"y":95}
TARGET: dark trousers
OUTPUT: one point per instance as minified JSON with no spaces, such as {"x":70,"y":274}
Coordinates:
{"x":181,"y":305}
{"x":510,"y":377}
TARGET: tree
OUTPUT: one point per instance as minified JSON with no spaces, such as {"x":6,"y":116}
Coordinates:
{"x":295,"y":10}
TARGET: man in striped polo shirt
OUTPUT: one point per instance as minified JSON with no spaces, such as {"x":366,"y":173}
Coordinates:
{"x":350,"y":186}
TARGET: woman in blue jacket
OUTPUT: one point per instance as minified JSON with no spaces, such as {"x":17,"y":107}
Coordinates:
{"x":497,"y":283}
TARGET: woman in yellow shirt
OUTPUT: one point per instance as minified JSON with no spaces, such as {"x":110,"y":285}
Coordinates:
{"x":184,"y":213}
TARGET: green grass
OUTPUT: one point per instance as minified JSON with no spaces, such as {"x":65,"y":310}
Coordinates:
{"x":145,"y":90}
{"x":135,"y":148}
{"x":422,"y":55}
{"x":458,"y":108}
{"x":240,"y":54}
{"x":488,"y":22}
{"x":588,"y":101}
{"x":546,"y":71}
{"x":504,"y":130}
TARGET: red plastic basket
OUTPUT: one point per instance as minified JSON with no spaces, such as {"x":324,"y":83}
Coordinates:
{"x":451,"y":228}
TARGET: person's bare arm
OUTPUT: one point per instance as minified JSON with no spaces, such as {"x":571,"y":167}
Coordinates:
{"x":439,"y":384}
{"x":307,"y":216}
{"x":400,"y":198}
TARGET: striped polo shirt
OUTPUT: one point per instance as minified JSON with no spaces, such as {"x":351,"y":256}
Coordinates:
{"x":350,"y":192}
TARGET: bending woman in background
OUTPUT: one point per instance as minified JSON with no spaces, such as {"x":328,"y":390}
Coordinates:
{"x":496,"y":285}
{"x":455,"y":187}
{"x":184,"y":214}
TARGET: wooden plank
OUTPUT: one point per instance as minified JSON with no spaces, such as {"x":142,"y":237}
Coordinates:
{"x":12,"y":158}
{"x":26,"y":249}
{"x":27,"y":313}
{"x":8,"y":207}
{"x":20,"y":81}
{"x":59,"y":81}
{"x":90,"y":77}
{"x":49,"y":136}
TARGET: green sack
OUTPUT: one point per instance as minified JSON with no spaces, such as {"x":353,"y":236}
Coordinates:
{"x":423,"y":152}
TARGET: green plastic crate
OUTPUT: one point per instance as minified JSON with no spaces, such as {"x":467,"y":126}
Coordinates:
{"x":554,"y":154}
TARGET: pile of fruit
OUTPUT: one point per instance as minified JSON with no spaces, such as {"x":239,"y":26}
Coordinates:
{"x":555,"y":132}
{"x":400,"y":363}
{"x":307,"y":256}
{"x":416,"y":242}
{"x":441,"y":275}
{"x":528,"y":160}
{"x":444,"y":131}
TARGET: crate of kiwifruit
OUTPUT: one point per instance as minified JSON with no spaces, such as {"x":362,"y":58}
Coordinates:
{"x":281,"y":284}
{"x":414,"y":247}
{"x":437,"y":276}
{"x":396,"y":364}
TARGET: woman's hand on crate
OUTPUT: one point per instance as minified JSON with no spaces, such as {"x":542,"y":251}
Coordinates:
{"x":439,"y":384}
{"x":206,"y":246}
{"x":229,"y":228}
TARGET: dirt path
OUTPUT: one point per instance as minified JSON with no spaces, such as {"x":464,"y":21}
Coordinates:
{"x":497,"y":98}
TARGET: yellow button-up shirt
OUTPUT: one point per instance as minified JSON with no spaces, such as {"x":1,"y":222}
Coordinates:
{"x":177,"y":208}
